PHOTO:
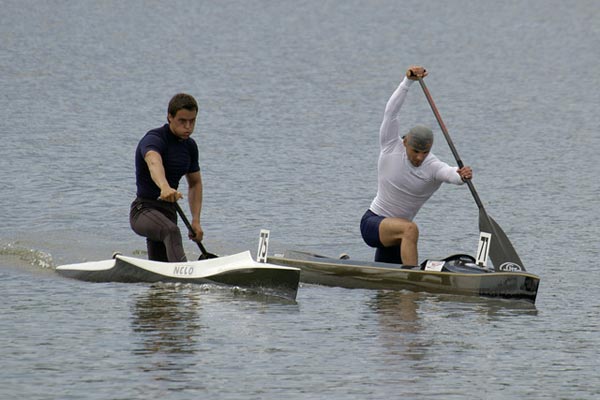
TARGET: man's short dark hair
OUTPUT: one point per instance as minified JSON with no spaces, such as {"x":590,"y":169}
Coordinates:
{"x":182,"y":101}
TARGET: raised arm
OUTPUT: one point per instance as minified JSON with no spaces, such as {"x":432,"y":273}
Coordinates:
{"x":389,"y":130}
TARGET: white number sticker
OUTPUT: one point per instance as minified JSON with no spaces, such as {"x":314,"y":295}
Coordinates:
{"x":483,"y":249}
{"x":263,"y":246}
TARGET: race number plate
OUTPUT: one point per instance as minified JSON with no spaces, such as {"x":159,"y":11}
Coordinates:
{"x":483,"y":249}
{"x":263,"y":246}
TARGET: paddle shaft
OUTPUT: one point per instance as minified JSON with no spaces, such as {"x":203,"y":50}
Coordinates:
{"x":502,"y":252}
{"x":450,"y":143}
{"x":189,"y":226}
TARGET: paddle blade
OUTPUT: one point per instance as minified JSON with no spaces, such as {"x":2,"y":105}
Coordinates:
{"x":502,"y":253}
{"x":206,"y":256}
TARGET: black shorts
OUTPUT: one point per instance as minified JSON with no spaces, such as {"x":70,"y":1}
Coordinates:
{"x":369,"y":229}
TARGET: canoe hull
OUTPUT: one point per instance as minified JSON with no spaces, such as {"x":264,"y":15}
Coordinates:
{"x":236,"y":270}
{"x":382,"y":276}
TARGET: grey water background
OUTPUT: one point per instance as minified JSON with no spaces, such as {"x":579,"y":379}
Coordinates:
{"x":291,"y":97}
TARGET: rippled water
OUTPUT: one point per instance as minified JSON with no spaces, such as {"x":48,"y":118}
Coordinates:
{"x":291,"y":98}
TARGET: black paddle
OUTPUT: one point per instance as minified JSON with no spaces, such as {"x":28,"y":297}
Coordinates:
{"x":205,"y":254}
{"x":502,"y":253}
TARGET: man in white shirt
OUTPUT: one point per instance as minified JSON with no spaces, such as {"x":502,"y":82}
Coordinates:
{"x":408,"y":175}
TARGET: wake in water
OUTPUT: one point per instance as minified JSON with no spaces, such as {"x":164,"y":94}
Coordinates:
{"x":16,"y":251}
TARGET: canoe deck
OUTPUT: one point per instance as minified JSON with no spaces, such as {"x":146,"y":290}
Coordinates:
{"x":458,"y":278}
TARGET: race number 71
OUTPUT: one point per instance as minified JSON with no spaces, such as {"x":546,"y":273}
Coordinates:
{"x":483,"y":249}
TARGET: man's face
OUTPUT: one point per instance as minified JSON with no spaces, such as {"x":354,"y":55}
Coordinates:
{"x":182,"y":124}
{"x":416,"y":156}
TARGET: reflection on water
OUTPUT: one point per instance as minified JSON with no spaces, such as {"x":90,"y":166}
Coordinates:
{"x":397,"y":314}
{"x":167,"y":317}
{"x":491,"y":308}
{"x":397,"y":310}
{"x":405,"y":329}
{"x":174,"y":329}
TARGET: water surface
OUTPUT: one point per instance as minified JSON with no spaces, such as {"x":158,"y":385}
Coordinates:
{"x":291,"y":98}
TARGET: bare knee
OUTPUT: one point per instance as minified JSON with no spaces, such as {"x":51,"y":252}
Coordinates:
{"x":411,"y":232}
{"x":393,"y":231}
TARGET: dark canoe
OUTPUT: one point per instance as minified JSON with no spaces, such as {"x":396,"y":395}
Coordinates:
{"x":456,"y":274}
{"x":238,"y":270}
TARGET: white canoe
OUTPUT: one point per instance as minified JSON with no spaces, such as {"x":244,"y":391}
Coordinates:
{"x":238,"y":270}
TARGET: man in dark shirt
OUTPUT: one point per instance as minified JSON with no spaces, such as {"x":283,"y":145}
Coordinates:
{"x":163,"y":156}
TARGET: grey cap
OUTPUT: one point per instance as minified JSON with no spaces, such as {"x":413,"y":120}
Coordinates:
{"x":420,"y":137}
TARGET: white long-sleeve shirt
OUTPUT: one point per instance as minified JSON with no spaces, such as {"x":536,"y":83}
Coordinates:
{"x":402,"y":188}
